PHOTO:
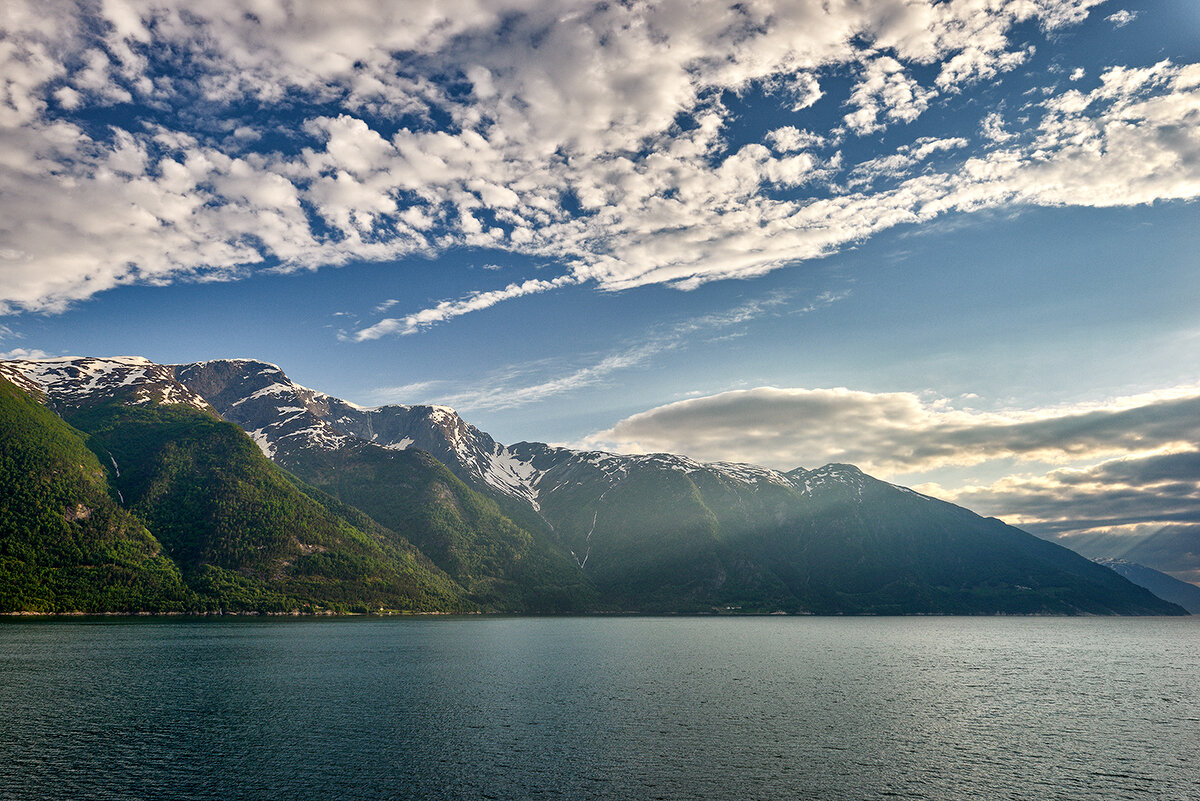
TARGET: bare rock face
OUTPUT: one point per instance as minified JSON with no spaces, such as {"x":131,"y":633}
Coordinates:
{"x":78,"y":512}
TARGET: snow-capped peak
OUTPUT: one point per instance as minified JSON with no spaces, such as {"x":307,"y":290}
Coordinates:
{"x":76,"y":381}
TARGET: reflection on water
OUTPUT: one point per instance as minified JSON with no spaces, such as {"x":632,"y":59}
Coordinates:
{"x":772,"y":708}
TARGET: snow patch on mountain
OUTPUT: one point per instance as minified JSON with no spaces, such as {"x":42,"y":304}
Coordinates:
{"x":78,"y":380}
{"x":912,"y":492}
{"x":506,"y":473}
{"x":264,"y":444}
{"x":748,"y":473}
{"x":270,"y":389}
{"x":829,"y":476}
{"x":320,"y":435}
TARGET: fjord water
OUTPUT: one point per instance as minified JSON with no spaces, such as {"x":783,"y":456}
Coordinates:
{"x":722,"y":708}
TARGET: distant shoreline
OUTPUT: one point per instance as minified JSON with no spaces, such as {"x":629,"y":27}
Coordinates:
{"x":12,"y":616}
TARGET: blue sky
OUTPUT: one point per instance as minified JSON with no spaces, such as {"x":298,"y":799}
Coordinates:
{"x":955,"y":243}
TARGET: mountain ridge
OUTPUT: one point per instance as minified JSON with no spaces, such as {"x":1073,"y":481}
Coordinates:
{"x":1163,"y":585}
{"x":236,"y":532}
{"x":594,"y":531}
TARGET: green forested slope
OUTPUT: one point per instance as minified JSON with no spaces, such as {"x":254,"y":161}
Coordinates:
{"x":245,"y":534}
{"x":663,"y":539}
{"x":502,"y":565}
{"x":869,"y":547}
{"x":65,"y":545}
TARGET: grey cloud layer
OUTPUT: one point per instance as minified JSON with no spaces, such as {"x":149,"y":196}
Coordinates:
{"x":1145,"y":451}
{"x":899,"y":432}
{"x":1138,"y":492}
{"x":558,"y":114}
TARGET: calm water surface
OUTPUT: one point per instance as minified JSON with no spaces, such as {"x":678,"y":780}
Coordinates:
{"x":638,"y":708}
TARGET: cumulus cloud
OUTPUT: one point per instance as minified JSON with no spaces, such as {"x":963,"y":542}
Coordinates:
{"x":548,"y":129}
{"x":993,"y":128}
{"x":24,"y":353}
{"x":805,"y":90}
{"x":790,"y":138}
{"x":902,"y":161}
{"x":886,"y":91}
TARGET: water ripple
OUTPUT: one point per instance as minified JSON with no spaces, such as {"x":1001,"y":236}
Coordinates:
{"x":641,"y":708}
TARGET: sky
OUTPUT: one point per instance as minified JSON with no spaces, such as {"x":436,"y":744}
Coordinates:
{"x":953,"y":243}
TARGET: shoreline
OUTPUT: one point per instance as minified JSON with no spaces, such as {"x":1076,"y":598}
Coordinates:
{"x":23,"y":615}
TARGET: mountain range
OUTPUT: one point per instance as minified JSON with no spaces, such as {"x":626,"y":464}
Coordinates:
{"x":1172,"y":549}
{"x":238,"y":489}
{"x":1161,"y":584}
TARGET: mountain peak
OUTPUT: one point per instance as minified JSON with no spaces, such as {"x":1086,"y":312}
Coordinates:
{"x":76,"y":381}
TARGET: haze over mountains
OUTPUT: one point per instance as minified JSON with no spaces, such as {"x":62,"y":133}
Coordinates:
{"x":411,"y":507}
{"x":1161,"y":584}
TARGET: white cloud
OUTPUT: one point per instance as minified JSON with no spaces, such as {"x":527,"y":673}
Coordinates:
{"x":511,"y":388}
{"x":790,"y":139}
{"x":562,"y":105}
{"x":886,"y":91}
{"x":508,"y":396}
{"x":993,"y":129}
{"x":24,"y":353}
{"x":449,"y":309}
{"x":805,"y":91}
{"x":415,"y":392}
{"x":1128,"y":144}
{"x":1122,"y":18}
{"x":902,"y":161}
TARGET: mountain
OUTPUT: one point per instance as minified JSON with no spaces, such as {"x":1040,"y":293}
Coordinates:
{"x":78,"y":382}
{"x":1173,"y":549}
{"x":661,"y":532}
{"x":65,"y":545}
{"x":240,"y":527}
{"x":1166,"y":587}
{"x":382,"y":462}
{"x":284,"y":417}
{"x":869,"y":545}
{"x":412,"y":507}
{"x":243,"y":534}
